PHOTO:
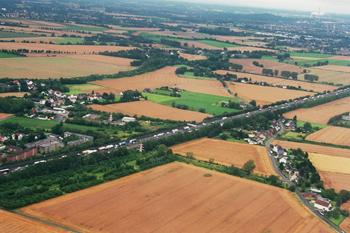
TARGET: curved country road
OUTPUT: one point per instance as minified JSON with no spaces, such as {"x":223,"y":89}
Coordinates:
{"x":302,"y":199}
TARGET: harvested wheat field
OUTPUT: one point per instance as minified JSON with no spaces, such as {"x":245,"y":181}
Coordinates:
{"x":78,"y":49}
{"x":151,"y":109}
{"x":329,"y":76}
{"x":250,"y":68}
{"x":16,"y":94}
{"x":335,"y":68}
{"x":105,"y":59}
{"x":263,"y":95}
{"x":332,"y":135}
{"x":343,"y":58}
{"x":5,"y":115}
{"x":192,"y":57}
{"x":328,"y":163}
{"x":339,"y":152}
{"x":57,"y":67}
{"x":337,"y":181}
{"x":177,"y":197}
{"x":10,"y":222}
{"x":322,"y":113}
{"x":280,"y":81}
{"x":161,"y":78}
{"x":228,"y":153}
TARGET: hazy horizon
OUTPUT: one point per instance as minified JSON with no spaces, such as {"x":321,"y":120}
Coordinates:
{"x":335,"y":6}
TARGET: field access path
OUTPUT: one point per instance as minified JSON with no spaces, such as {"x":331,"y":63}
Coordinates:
{"x":286,"y":180}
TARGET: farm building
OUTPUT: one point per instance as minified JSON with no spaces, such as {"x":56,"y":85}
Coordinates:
{"x":23,"y":154}
{"x":128,"y":119}
{"x":323,"y":204}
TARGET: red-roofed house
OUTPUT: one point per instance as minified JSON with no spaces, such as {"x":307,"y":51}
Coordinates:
{"x":323,"y":204}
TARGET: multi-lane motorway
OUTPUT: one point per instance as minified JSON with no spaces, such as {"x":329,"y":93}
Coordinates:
{"x":22,"y":165}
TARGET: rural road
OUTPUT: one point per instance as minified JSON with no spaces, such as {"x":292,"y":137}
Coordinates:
{"x":42,"y":221}
{"x":300,"y":195}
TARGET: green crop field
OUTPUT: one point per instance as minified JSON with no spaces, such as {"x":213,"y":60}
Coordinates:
{"x":293,"y":135}
{"x":311,"y":55}
{"x":217,"y":43}
{"x":66,"y":40}
{"x":159,"y":98}
{"x":269,"y":58}
{"x":4,"y":35}
{"x":78,"y":89}
{"x":301,"y":124}
{"x":35,"y":123}
{"x":7,"y":55}
{"x":302,"y":62}
{"x":77,"y":28}
{"x":191,"y":75}
{"x":195,"y":101}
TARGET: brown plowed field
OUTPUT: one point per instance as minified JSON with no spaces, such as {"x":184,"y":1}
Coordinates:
{"x":343,"y":58}
{"x":57,"y":67}
{"x":322,"y":113}
{"x":331,"y":134}
{"x":4,"y":115}
{"x":10,"y":222}
{"x":264,"y":95}
{"x":330,"y":76}
{"x":192,"y":57}
{"x":337,"y":181}
{"x":177,"y":197}
{"x":250,"y":68}
{"x":279,"y":81}
{"x":339,"y":152}
{"x":228,"y":153}
{"x":151,"y":109}
{"x":79,"y":49}
{"x":345,"y":225}
{"x":182,"y":34}
{"x":17,"y":94}
{"x":330,"y":163}
{"x":161,"y":78}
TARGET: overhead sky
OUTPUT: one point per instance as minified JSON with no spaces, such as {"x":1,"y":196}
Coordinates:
{"x":327,"y":6}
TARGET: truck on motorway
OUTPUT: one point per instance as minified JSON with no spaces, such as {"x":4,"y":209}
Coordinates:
{"x":122,"y":144}
{"x":102,"y":148}
{"x":109,"y":147}
{"x":4,"y":171}
{"x":186,"y":127}
{"x":132,"y":141}
{"x":175,"y":130}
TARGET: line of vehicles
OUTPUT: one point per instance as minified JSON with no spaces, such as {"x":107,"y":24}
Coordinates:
{"x":188,"y":127}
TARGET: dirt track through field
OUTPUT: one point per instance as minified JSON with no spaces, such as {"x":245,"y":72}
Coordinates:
{"x":153,"y":110}
{"x":178,"y":198}
{"x":322,"y":113}
{"x":228,"y":153}
{"x":10,"y":222}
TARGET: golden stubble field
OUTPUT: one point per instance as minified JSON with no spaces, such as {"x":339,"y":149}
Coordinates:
{"x":322,"y":113}
{"x":338,"y":181}
{"x":228,"y":153}
{"x":329,"y":76}
{"x":329,"y":163}
{"x":16,"y":94}
{"x":250,"y":68}
{"x":10,"y":222}
{"x":161,"y":78}
{"x":279,"y":81}
{"x":177,"y":197}
{"x":263,"y":95}
{"x":332,"y":135}
{"x":5,"y":115}
{"x":66,"y":66}
{"x":192,"y":57}
{"x":151,"y":109}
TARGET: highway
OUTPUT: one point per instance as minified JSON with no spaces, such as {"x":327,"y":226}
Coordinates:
{"x":22,"y":165}
{"x":300,"y":195}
